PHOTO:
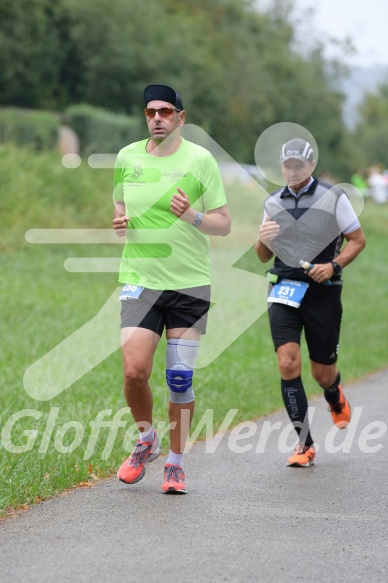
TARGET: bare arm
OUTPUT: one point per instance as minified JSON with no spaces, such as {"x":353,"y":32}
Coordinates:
{"x":214,"y":222}
{"x":120,"y":219}
{"x":268,"y":230}
{"x":264,"y":254}
{"x":355,"y":243}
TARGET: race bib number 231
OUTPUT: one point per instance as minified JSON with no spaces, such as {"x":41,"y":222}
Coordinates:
{"x":288,"y":292}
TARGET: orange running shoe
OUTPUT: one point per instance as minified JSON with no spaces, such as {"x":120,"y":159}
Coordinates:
{"x":340,"y":411}
{"x":303,"y":457}
{"x":133,"y":469}
{"x":174,"y":477}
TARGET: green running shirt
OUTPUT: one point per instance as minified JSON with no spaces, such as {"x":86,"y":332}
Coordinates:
{"x":161,"y":251}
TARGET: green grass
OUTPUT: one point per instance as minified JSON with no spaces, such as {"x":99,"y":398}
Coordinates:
{"x":42,"y":304}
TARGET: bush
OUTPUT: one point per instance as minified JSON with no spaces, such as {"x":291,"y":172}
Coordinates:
{"x":36,"y":129}
{"x":41,"y":193}
{"x":101,"y":131}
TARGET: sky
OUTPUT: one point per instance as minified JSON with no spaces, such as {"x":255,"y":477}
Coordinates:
{"x":364,"y":21}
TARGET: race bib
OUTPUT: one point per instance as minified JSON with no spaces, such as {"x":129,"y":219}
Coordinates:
{"x":288,"y":292}
{"x":130,"y":291}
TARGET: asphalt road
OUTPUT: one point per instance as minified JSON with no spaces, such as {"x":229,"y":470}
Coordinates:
{"x":247,"y":516}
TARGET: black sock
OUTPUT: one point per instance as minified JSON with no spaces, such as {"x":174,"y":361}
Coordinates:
{"x":332,"y":393}
{"x":295,"y":400}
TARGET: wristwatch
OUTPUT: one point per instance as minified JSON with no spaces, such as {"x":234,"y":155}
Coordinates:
{"x":336,"y":268}
{"x":198,"y":220}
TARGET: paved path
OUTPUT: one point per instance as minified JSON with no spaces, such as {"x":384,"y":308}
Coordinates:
{"x":247,"y":517}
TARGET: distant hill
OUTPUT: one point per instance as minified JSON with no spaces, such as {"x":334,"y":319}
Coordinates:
{"x":360,"y":81}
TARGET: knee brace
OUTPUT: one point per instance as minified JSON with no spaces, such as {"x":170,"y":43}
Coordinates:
{"x":180,"y":360}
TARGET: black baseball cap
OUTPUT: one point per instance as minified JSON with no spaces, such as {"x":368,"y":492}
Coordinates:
{"x":297,"y":149}
{"x":163,"y":93}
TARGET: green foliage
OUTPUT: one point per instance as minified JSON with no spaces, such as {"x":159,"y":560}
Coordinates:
{"x":101,"y":131}
{"x":239,"y":70}
{"x":39,"y":64}
{"x":39,"y":192}
{"x":36,"y":129}
{"x":371,"y":133}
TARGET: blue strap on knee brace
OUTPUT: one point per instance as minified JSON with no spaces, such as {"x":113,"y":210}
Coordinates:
{"x":179,"y":380}
{"x":180,"y":359}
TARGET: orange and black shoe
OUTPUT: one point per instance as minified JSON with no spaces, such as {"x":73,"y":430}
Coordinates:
{"x":340,"y":411}
{"x":174,"y":480}
{"x":303,"y":457}
{"x":133,"y":469}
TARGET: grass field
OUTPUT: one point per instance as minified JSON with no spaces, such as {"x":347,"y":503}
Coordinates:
{"x":48,"y":446}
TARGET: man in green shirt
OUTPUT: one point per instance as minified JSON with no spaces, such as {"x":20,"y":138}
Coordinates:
{"x":168,"y":198}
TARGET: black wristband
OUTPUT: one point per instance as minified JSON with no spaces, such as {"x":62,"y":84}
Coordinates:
{"x":336,"y":268}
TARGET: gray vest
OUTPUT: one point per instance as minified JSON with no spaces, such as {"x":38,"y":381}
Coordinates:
{"x":308,"y":228}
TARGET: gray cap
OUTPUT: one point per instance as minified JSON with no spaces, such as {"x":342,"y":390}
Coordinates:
{"x":297,"y":149}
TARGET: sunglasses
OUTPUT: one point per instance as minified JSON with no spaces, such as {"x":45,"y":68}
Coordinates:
{"x":162,"y":111}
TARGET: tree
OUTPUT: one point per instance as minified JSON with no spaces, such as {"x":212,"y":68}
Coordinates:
{"x":371,"y":133}
{"x":38,"y":63}
{"x":239,"y":70}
